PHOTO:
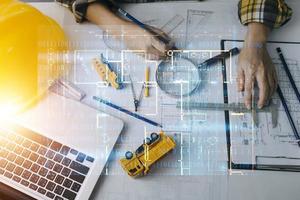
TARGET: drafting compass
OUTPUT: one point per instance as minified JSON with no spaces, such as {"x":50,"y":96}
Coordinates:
{"x":136,"y":100}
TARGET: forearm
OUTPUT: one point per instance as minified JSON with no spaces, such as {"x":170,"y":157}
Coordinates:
{"x":102,"y":16}
{"x":257,"y":35}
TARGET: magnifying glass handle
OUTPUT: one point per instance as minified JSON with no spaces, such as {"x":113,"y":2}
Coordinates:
{"x":221,"y":56}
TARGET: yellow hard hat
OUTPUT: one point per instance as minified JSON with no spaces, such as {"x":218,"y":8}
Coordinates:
{"x":32,"y":49}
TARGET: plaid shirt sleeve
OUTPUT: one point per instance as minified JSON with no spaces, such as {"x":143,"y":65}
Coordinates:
{"x":78,"y":7}
{"x":273,"y":13}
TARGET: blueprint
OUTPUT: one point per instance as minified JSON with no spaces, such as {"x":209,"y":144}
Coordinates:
{"x":193,"y":129}
{"x":265,"y":144}
{"x":198,"y":144}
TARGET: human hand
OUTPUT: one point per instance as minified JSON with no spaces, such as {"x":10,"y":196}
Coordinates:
{"x":149,"y":41}
{"x":255,"y":66}
{"x":134,"y":37}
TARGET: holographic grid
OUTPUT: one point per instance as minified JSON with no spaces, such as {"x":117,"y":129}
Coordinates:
{"x":200,"y":136}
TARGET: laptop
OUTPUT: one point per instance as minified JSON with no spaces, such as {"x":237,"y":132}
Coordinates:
{"x":56,"y":150}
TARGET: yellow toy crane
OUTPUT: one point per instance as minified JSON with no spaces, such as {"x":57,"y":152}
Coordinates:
{"x":154,"y":148}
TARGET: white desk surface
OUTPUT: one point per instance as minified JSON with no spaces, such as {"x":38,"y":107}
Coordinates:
{"x":213,"y":185}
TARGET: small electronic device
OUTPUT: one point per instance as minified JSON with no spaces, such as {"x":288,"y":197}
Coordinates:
{"x":139,"y":163}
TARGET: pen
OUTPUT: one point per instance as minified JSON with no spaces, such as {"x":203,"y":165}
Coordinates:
{"x":286,"y":68}
{"x":141,"y":24}
{"x":286,"y":109}
{"x":126,"y":111}
{"x":137,"y":22}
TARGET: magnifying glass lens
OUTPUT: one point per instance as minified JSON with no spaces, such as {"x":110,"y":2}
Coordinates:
{"x":177,"y":77}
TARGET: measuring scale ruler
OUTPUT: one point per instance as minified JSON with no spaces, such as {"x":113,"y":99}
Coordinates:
{"x":233,"y":107}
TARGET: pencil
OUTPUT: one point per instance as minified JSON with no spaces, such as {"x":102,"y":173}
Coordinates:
{"x":126,"y":111}
{"x":287,"y":70}
{"x":147,"y":82}
{"x":286,"y":109}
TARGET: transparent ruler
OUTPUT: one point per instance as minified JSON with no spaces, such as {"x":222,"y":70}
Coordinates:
{"x":234,"y":107}
{"x":172,"y":24}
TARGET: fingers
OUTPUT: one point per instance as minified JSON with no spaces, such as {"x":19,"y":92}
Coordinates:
{"x":159,"y":45}
{"x":159,"y":34}
{"x":264,"y":89}
{"x":157,"y":48}
{"x":249,"y":84}
{"x":256,"y":66}
{"x":275,"y":78}
{"x":241,"y":80}
{"x":160,"y":40}
{"x":267,"y":84}
{"x":272,"y":79}
{"x":154,"y":54}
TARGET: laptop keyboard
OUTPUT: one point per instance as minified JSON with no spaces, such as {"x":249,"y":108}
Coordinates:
{"x":41,"y":164}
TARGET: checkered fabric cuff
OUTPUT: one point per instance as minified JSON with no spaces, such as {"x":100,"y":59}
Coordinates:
{"x":273,"y":13}
{"x":78,"y":7}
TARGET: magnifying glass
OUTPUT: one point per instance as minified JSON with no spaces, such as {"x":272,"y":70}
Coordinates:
{"x":179,"y":76}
